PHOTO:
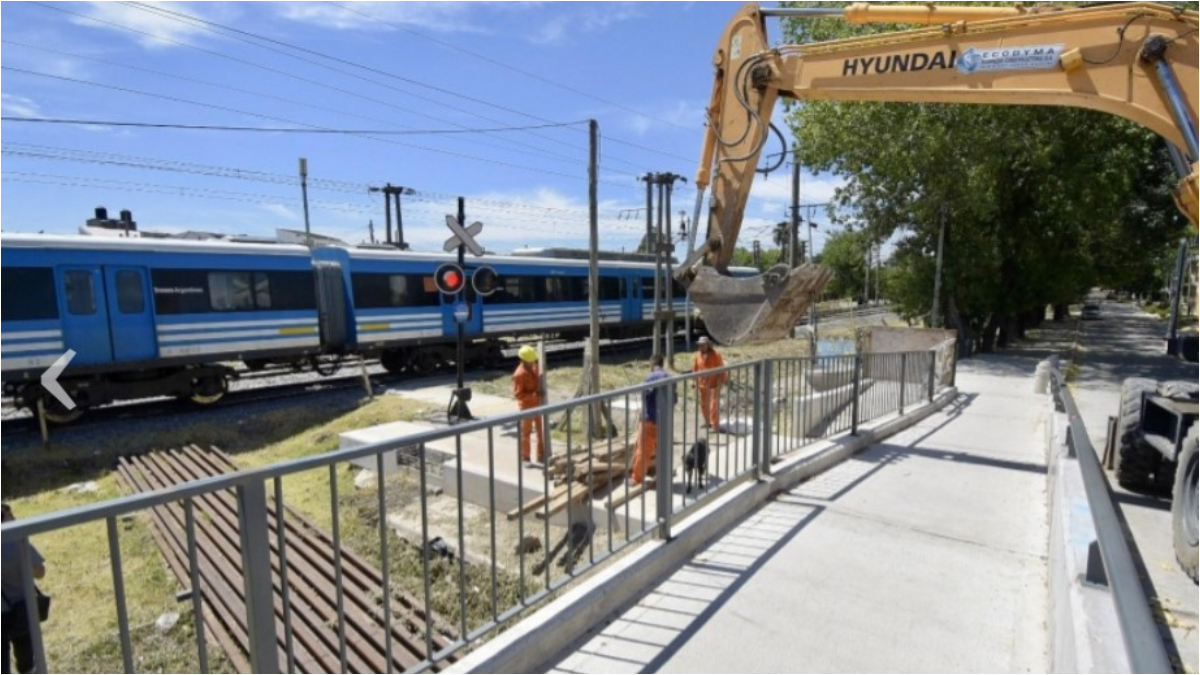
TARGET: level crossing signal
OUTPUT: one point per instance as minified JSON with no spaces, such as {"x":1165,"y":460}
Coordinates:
{"x":485,"y":281}
{"x":450,"y":279}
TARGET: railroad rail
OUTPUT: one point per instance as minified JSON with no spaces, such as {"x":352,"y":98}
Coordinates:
{"x":331,"y":616}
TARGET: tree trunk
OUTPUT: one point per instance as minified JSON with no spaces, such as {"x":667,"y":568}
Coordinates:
{"x":989,"y":335}
{"x":1060,"y":312}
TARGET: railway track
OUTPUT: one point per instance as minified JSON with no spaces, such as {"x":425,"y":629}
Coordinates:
{"x":261,"y":386}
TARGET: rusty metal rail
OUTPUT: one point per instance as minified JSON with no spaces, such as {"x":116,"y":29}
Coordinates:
{"x":322,"y":626}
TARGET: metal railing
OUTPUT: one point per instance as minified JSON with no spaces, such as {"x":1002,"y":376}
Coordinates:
{"x":1143,"y":642}
{"x":491,"y":571}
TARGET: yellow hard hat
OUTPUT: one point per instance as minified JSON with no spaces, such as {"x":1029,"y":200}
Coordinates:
{"x":528,"y":354}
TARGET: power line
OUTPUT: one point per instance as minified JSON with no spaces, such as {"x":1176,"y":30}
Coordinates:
{"x":293,"y":76}
{"x":515,"y":69}
{"x":130,"y":161}
{"x":281,"y":130}
{"x":553,"y":225}
{"x":281,"y":119}
{"x":249,"y":38}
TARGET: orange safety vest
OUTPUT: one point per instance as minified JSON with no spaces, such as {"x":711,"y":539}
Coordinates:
{"x":526,"y":386}
{"x":706,"y":362}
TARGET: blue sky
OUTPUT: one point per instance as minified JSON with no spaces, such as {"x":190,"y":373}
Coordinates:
{"x":643,"y":70}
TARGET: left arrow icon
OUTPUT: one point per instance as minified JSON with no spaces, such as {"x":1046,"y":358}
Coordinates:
{"x":50,"y":380}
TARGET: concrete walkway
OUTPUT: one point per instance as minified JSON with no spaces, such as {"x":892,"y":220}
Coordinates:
{"x":926,"y":553}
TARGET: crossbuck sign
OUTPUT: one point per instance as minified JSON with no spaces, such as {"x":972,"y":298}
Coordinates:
{"x":464,"y":236}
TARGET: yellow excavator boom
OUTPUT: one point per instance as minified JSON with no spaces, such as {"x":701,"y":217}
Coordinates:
{"x":1134,"y":60}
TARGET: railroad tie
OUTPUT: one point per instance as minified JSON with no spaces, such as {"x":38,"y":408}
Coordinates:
{"x":313,"y":602}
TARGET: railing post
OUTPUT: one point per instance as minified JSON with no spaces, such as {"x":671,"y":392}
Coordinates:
{"x":665,"y":480}
{"x":256,"y":571}
{"x":932,"y":372}
{"x":763,"y":419}
{"x":857,"y":392}
{"x":903,"y":380}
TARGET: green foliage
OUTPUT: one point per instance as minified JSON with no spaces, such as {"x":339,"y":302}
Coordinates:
{"x":1039,"y":203}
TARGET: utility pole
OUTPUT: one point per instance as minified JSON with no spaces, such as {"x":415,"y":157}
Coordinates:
{"x":591,"y":376}
{"x":389,"y":192}
{"x":304,"y":196}
{"x":795,"y":230}
{"x":812,"y":252}
{"x":756,"y":252}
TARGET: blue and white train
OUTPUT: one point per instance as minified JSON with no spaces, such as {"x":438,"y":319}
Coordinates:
{"x":152,"y":317}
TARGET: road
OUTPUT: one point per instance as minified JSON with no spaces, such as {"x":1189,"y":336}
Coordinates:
{"x":1127,"y":342}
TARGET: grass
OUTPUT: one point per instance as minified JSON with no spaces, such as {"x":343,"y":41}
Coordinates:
{"x":82,"y":634}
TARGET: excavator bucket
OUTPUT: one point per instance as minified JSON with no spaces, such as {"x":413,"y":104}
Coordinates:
{"x":750,"y":310}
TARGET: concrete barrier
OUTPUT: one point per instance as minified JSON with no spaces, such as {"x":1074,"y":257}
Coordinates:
{"x":1085,"y":632}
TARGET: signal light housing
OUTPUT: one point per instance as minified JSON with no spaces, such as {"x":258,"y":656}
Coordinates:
{"x":450,"y":279}
{"x":485,"y":281}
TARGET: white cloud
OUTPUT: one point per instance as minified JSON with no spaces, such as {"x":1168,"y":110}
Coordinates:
{"x":22,"y":106}
{"x":596,"y":18}
{"x":280,"y":211}
{"x":440,"y":17}
{"x":156,"y":28}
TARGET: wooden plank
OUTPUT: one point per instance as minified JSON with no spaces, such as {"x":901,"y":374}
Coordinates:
{"x":634,"y":491}
{"x":535,"y":503}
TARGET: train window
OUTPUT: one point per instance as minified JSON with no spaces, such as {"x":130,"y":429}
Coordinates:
{"x":376,"y":291}
{"x":566,"y":289}
{"x":262,"y":290}
{"x":230,"y":291}
{"x":180,"y":291}
{"x":81,"y":293}
{"x":648,"y":288}
{"x":130,"y":298}
{"x":28,"y":294}
{"x":290,"y":290}
{"x":518,"y":289}
{"x":612,"y":288}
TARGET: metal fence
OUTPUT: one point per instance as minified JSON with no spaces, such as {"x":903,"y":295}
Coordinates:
{"x":504,"y":525}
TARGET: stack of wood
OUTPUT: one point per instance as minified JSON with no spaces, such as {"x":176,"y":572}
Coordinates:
{"x":583,"y":474}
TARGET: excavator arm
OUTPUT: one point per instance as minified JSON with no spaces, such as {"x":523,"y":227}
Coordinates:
{"x":1134,"y":60}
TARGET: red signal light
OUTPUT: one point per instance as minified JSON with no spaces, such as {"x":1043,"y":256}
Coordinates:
{"x":450,"y":279}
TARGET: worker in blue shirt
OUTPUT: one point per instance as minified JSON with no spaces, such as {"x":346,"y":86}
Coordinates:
{"x":647,"y":443}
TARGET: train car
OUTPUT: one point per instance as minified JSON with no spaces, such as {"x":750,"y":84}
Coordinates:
{"x":394,"y":310}
{"x":148,"y":317}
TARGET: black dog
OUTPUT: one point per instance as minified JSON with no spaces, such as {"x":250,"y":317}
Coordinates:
{"x":696,"y":462}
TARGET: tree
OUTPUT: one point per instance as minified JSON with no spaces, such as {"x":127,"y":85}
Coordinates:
{"x":1039,"y":203}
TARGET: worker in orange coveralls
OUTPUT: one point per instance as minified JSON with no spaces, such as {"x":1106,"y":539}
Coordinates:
{"x":527,"y":389}
{"x":647,"y":443}
{"x":710,"y":386}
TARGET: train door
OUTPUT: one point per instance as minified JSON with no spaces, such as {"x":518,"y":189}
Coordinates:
{"x":85,"y":314}
{"x":130,"y":314}
{"x":631,"y":304}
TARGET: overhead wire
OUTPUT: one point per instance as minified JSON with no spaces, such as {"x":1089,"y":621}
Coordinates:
{"x":129,"y":161}
{"x":250,"y":38}
{"x":284,"y":73}
{"x":515,"y":69}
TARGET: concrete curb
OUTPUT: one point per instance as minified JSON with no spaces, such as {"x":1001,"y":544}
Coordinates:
{"x":533,"y":644}
{"x":1085,"y":632}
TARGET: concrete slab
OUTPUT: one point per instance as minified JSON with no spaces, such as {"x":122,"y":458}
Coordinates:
{"x":923,"y":554}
